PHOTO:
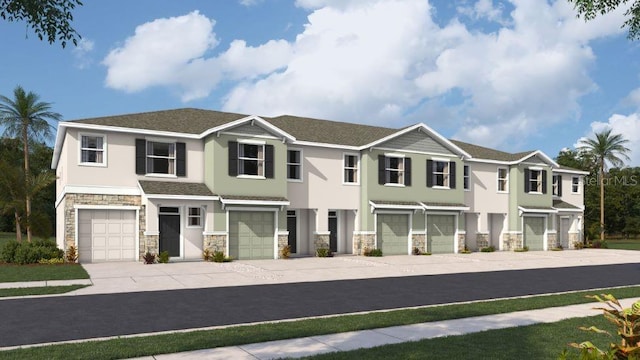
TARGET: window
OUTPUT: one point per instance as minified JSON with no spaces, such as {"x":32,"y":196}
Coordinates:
{"x":575,"y":185}
{"x":294,"y":165}
{"x":503,"y":180}
{"x":250,"y":159}
{"x":350,"y":169}
{"x":535,"y":181}
{"x":466,"y":177}
{"x":92,"y":150}
{"x":195,"y":217}
{"x":161,"y":158}
{"x":555,"y":185}
{"x":394,"y":169}
{"x":441,"y":174}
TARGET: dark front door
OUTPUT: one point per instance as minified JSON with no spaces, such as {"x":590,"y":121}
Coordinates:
{"x":333,"y":229}
{"x":170,"y":234}
{"x":292,"y":227}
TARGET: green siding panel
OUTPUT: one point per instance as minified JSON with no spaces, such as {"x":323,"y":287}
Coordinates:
{"x":441,"y":230}
{"x":534,"y":232}
{"x":393,"y":234}
{"x":251,"y":234}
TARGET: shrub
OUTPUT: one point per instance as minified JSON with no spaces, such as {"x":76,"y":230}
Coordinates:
{"x":599,"y":244}
{"x":426,"y":253}
{"x":285,"y":253}
{"x":372,"y":252}
{"x":578,"y":245}
{"x":30,"y":253}
{"x":218,"y":256}
{"x":522,"y":249}
{"x":163,"y":257}
{"x":416,"y":251}
{"x":149,"y":258}
{"x":465,"y":250}
{"x":207,"y":255}
{"x":488,"y":249}
{"x":53,"y":261}
{"x":628,"y":323}
{"x":71,"y":255}
{"x":324,"y":252}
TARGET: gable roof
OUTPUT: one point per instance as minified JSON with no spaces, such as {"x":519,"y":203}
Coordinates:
{"x":481,"y":152}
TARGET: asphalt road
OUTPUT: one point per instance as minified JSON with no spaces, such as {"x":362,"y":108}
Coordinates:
{"x":50,"y":319}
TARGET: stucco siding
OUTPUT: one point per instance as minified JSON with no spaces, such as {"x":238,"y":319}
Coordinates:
{"x":484,"y":196}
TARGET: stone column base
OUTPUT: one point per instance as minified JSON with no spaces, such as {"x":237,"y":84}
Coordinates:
{"x":283,"y":240}
{"x":482,"y":240}
{"x":362,"y":241}
{"x":419,"y":241}
{"x":320,"y":241}
{"x":462,"y":241}
{"x":512,"y":241}
{"x":552,"y":241}
{"x":215,"y":243}
{"x":574,"y":238}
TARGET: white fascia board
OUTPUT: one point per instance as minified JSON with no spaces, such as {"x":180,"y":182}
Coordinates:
{"x":544,"y":157}
{"x":445,"y":208}
{"x":82,"y":126}
{"x":57,"y":148}
{"x":254,"y":202}
{"x":539,"y":211}
{"x":391,"y":206}
{"x":102,"y":190}
{"x":429,"y":131}
{"x":263,"y":123}
{"x":563,"y":210}
{"x":567,"y":171}
{"x":182,"y":197}
{"x":325,"y":145}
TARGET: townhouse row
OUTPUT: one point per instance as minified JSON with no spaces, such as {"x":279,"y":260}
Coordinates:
{"x":186,"y":180}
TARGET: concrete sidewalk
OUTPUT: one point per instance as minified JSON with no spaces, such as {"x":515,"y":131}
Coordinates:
{"x":313,"y":345}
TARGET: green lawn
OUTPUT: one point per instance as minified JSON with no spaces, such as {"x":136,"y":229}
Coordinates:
{"x":541,"y":341}
{"x":171,"y":343}
{"x":45,"y":290}
{"x":624,"y":244}
{"x":39,"y":272}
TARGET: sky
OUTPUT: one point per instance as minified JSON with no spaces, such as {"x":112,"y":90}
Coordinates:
{"x":512,"y":75}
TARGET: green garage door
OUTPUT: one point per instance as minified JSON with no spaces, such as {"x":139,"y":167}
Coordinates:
{"x":251,"y":234}
{"x":393,"y":234}
{"x":441,"y":232}
{"x":534,"y":232}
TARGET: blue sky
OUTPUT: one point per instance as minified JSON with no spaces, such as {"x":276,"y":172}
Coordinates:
{"x":514,"y":75}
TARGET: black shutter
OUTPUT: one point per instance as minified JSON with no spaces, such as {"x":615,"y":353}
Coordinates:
{"x":429,"y":173}
{"x":527,"y":182}
{"x":559,"y":184}
{"x":268,"y":162}
{"x":233,"y":158}
{"x":452,"y":175}
{"x":544,"y":181}
{"x":141,"y":156}
{"x":381,"y":171}
{"x":407,"y":171}
{"x":181,"y":159}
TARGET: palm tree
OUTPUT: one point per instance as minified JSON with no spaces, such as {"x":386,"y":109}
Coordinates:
{"x":27,"y":117}
{"x":605,"y":147}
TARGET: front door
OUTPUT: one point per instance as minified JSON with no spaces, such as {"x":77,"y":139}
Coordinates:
{"x":333,"y":231}
{"x":292,"y":227}
{"x":170,"y":230}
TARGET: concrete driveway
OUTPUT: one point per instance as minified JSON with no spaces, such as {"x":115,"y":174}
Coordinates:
{"x":134,"y":276}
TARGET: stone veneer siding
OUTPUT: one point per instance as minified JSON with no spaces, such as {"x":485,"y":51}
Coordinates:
{"x":215,"y":243}
{"x":462,"y":241}
{"x":320,"y":241}
{"x":99,"y":199}
{"x":419,"y":241}
{"x":552,"y":240}
{"x":482,"y":240}
{"x":283,"y":240}
{"x":362,"y":241}
{"x":573,"y":238}
{"x":512,"y":241}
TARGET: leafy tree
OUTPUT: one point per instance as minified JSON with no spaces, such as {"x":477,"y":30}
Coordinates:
{"x":48,"y":18}
{"x":26,"y":116}
{"x":605,"y":147}
{"x":590,"y":9}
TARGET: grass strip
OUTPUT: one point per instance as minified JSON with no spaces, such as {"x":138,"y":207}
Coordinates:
{"x":45,"y":290}
{"x":195,"y":340}
{"x":538,"y":341}
{"x":41,"y":272}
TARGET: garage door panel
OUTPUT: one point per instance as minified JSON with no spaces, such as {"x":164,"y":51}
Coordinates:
{"x":534,"y":228}
{"x":106,"y":235}
{"x":251,"y":234}
{"x":393,"y":233}
{"x":441,"y":231}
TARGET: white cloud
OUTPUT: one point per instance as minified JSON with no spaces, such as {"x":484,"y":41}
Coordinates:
{"x":629,"y":127}
{"x":634,"y":98}
{"x":81,"y":53}
{"x":483,"y":9}
{"x":248,"y":3}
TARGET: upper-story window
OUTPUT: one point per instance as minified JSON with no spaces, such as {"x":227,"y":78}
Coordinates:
{"x":249,"y":158}
{"x":294,"y":165}
{"x":466,"y":177}
{"x":503,"y":180}
{"x":350,"y":164}
{"x":156,"y":157}
{"x":394,"y":170}
{"x":575,"y":185}
{"x":93,"y":150}
{"x":535,"y":181}
{"x":556,"y":185}
{"x":441,"y":174}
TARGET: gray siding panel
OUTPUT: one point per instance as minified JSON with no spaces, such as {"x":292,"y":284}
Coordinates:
{"x":250,"y":130}
{"x":416,"y":141}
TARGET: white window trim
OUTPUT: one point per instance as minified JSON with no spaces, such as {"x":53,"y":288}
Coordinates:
{"x":403,"y":171}
{"x":242,"y":158}
{"x":539,"y":170}
{"x":147,"y":156}
{"x":468,"y":177}
{"x":189,"y":216}
{"x":578,"y":185}
{"x":448,"y":173}
{"x":301,"y":179}
{"x":344,"y":167}
{"x":104,"y":150}
{"x":555,"y":185}
{"x":506,"y":184}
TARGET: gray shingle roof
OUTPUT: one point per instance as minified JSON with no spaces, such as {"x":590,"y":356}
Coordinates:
{"x":174,"y":188}
{"x":253,"y":198}
{"x":441,"y":204}
{"x":559,"y":204}
{"x":562,"y":167}
{"x":481,"y":152}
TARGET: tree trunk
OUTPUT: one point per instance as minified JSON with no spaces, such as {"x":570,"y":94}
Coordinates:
{"x":18,"y":228}
{"x":602,"y":200}
{"x":25,"y":149}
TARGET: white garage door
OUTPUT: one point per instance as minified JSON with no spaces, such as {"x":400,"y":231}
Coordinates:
{"x":106,"y":235}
